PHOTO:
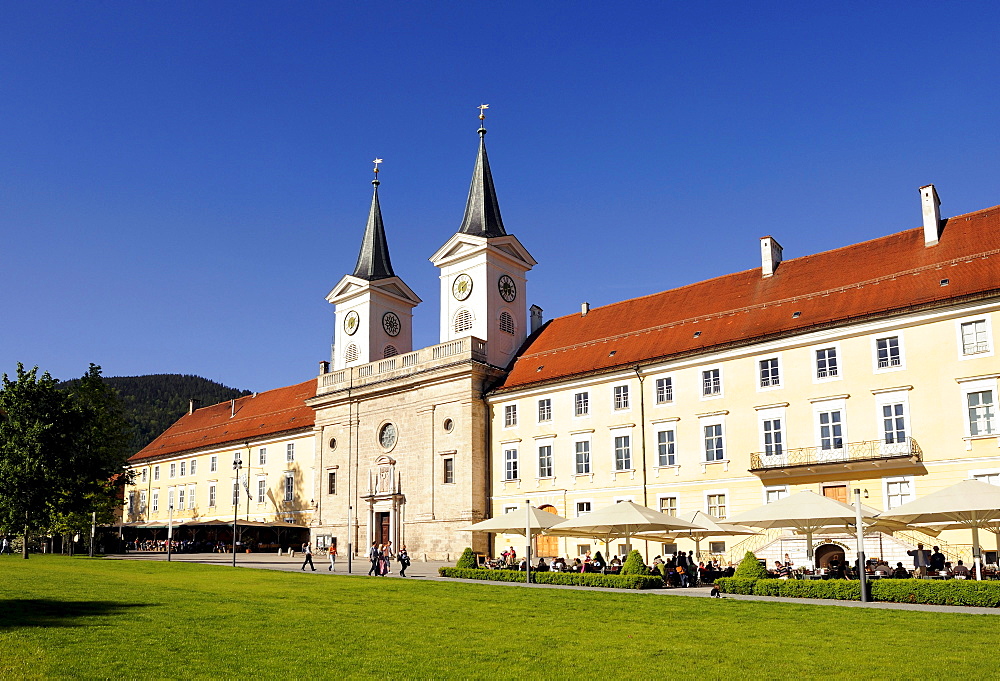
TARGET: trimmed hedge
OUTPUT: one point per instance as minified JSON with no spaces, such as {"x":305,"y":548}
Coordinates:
{"x":834,"y":589}
{"x":564,"y":578}
{"x":937,"y":592}
{"x":750,"y":568}
{"x":634,"y":565}
{"x":735,"y":585}
{"x":467,"y":559}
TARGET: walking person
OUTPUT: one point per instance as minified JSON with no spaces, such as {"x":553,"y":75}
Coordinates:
{"x":404,"y":561}
{"x":5,"y":547}
{"x":307,"y":550}
{"x":331,"y":551}
{"x":373,"y":557}
{"x":389,"y":555}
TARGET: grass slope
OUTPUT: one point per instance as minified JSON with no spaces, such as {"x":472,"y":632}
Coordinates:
{"x":62,"y":617}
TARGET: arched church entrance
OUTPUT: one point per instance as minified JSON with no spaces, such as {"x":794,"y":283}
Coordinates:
{"x":547,"y":547}
{"x":828,"y":552}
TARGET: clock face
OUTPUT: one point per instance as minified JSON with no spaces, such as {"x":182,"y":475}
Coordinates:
{"x":462,"y":288}
{"x":387,"y":436}
{"x":390,"y":322}
{"x":351,"y":322}
{"x":508,"y":290}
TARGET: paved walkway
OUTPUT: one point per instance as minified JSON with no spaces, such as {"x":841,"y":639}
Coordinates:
{"x":428,"y":571}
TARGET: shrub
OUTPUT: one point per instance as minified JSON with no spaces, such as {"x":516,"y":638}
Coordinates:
{"x":750,"y":568}
{"x":735,"y":585}
{"x":835,"y":589}
{"x":634,"y":565}
{"x":937,"y":592}
{"x":467,"y":559}
{"x":563,"y":578}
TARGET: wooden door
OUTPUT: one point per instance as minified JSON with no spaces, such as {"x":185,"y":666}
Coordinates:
{"x":547,"y":547}
{"x":838,"y":492}
{"x":383,"y":528}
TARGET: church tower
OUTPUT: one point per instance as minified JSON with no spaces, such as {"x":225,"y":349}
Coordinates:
{"x":373,"y":307}
{"x":483,"y":271}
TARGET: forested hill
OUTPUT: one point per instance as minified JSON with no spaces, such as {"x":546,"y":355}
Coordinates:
{"x":153,"y":403}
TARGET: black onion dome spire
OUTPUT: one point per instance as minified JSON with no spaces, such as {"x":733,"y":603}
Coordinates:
{"x":373,"y":260}
{"x":482,"y":212}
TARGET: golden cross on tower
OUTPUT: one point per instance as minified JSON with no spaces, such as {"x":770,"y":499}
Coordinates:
{"x":376,"y":162}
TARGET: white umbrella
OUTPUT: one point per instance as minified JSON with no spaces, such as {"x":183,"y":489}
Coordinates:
{"x":517,"y":523}
{"x":623,"y":519}
{"x":970,"y":503}
{"x":710,"y":527}
{"x":807,"y":513}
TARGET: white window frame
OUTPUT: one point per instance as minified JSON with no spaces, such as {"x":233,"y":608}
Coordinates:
{"x":289,"y":489}
{"x":173,"y":470}
{"x":155,"y":501}
{"x":621,"y":398}
{"x":142,"y":501}
{"x":902,"y":352}
{"x":183,"y":469}
{"x":576,"y":507}
{"x":211,"y":495}
{"x":510,"y":454}
{"x":170,"y":498}
{"x":886,"y":481}
{"x":261,"y":489}
{"x":814,"y":360}
{"x":702,"y":380}
{"x":960,"y":343}
{"x":718,"y":419}
{"x":213,"y":463}
{"x":510,"y":508}
{"x":544,"y":409}
{"x":191,"y":497}
{"x":978,"y":474}
{"x":181,"y":493}
{"x":290,"y":452}
{"x":716,"y":492}
{"x":977,"y":385}
{"x":236,"y":492}
{"x":890,"y":398}
{"x":670,"y":443}
{"x":262,"y":456}
{"x":772,"y":414}
{"x":445,"y":470}
{"x":145,"y":474}
{"x":663,"y":386}
{"x":615,"y":434}
{"x":584,"y":402}
{"x":781,"y":373}
{"x":193,"y":467}
{"x":590,"y":455}
{"x":510,"y":416}
{"x":156,"y":473}
{"x":676,"y":508}
{"x":830,"y":405}
{"x":781,"y":491}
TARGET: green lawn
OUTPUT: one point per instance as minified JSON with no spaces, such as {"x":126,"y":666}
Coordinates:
{"x":124,"y":619}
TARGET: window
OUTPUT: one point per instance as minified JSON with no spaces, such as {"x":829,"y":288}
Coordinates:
{"x":510,"y":464}
{"x":156,"y":501}
{"x":194,"y":466}
{"x":463,"y":321}
{"x":982,"y":413}
{"x":975,"y":337}
{"x":888,"y":353}
{"x":544,"y":410}
{"x":213,"y":464}
{"x":711,"y":382}
{"x":211,"y":495}
{"x":772,"y":436}
{"x":142,"y":501}
{"x":988,"y":478}
{"x":582,"y":450}
{"x":898,"y":491}
{"x":390,"y":351}
{"x":156,"y":472}
{"x":351,"y":353}
{"x":582,"y":508}
{"x":261,"y":490}
{"x":582,"y":549}
{"x":664,"y":390}
{"x":191,"y":496}
{"x":772,"y":494}
{"x":170,"y":498}
{"x":507,"y":323}
{"x":581,"y":404}
{"x":290,"y":452}
{"x":831,"y":429}
{"x":449,"y":470}
{"x":510,"y":415}
{"x":183,"y":468}
{"x":180,"y":497}
{"x":826,"y":363}
{"x":262,"y":456}
{"x":668,"y":549}
{"x":173,"y":470}
{"x":717,"y":505}
{"x":665,"y":448}
{"x":331,"y":482}
{"x":668,"y":505}
{"x":131,"y":503}
{"x":714,"y":449}
{"x":621,"y":397}
{"x":236,"y":493}
{"x":289,"y":486}
{"x":894,"y":423}
{"x":144,"y":474}
{"x":716,"y":547}
{"x":623,"y":453}
{"x":770,"y":374}
{"x":509,"y":509}
{"x":545,"y":461}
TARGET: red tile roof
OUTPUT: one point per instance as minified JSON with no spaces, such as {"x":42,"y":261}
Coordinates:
{"x":873,"y":278}
{"x":263,"y":414}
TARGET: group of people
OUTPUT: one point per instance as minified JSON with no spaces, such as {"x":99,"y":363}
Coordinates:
{"x":381,"y":557}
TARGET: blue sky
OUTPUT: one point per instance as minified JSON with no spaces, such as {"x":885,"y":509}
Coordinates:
{"x":181,"y":184}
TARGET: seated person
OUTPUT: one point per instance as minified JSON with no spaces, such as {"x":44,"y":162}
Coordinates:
{"x":900,"y":572}
{"x":960,"y":570}
{"x":882,"y":568}
{"x":577,"y":565}
{"x":616,"y":562}
{"x":541,"y":567}
{"x":781,"y":570}
{"x":559,"y":564}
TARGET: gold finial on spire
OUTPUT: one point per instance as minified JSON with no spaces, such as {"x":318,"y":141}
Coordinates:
{"x":376,"y":162}
{"x":482,"y":118}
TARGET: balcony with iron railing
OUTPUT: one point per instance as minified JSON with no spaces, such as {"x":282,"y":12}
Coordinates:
{"x":468,"y":348}
{"x":866,"y":455}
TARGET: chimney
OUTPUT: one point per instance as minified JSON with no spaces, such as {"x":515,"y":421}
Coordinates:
{"x":536,"y":317}
{"x":770,"y":255}
{"x":324,"y":367}
{"x":584,"y":309}
{"x":931,"y":206}
{"x":193,"y":405}
{"x":232,"y":408}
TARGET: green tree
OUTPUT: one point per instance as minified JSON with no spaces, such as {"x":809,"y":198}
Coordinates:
{"x":61,"y":453}
{"x":467,"y":559}
{"x":634,"y":564}
{"x":750,"y":568}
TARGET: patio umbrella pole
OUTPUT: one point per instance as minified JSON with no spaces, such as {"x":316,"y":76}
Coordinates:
{"x":975,"y":552}
{"x":859,"y":526}
{"x":527,"y":535}
{"x":810,"y":556}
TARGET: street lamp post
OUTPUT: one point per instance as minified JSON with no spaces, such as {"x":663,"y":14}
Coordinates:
{"x":237,"y":467}
{"x":349,"y":551}
{"x":859,"y":526}
{"x":170,"y":528}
